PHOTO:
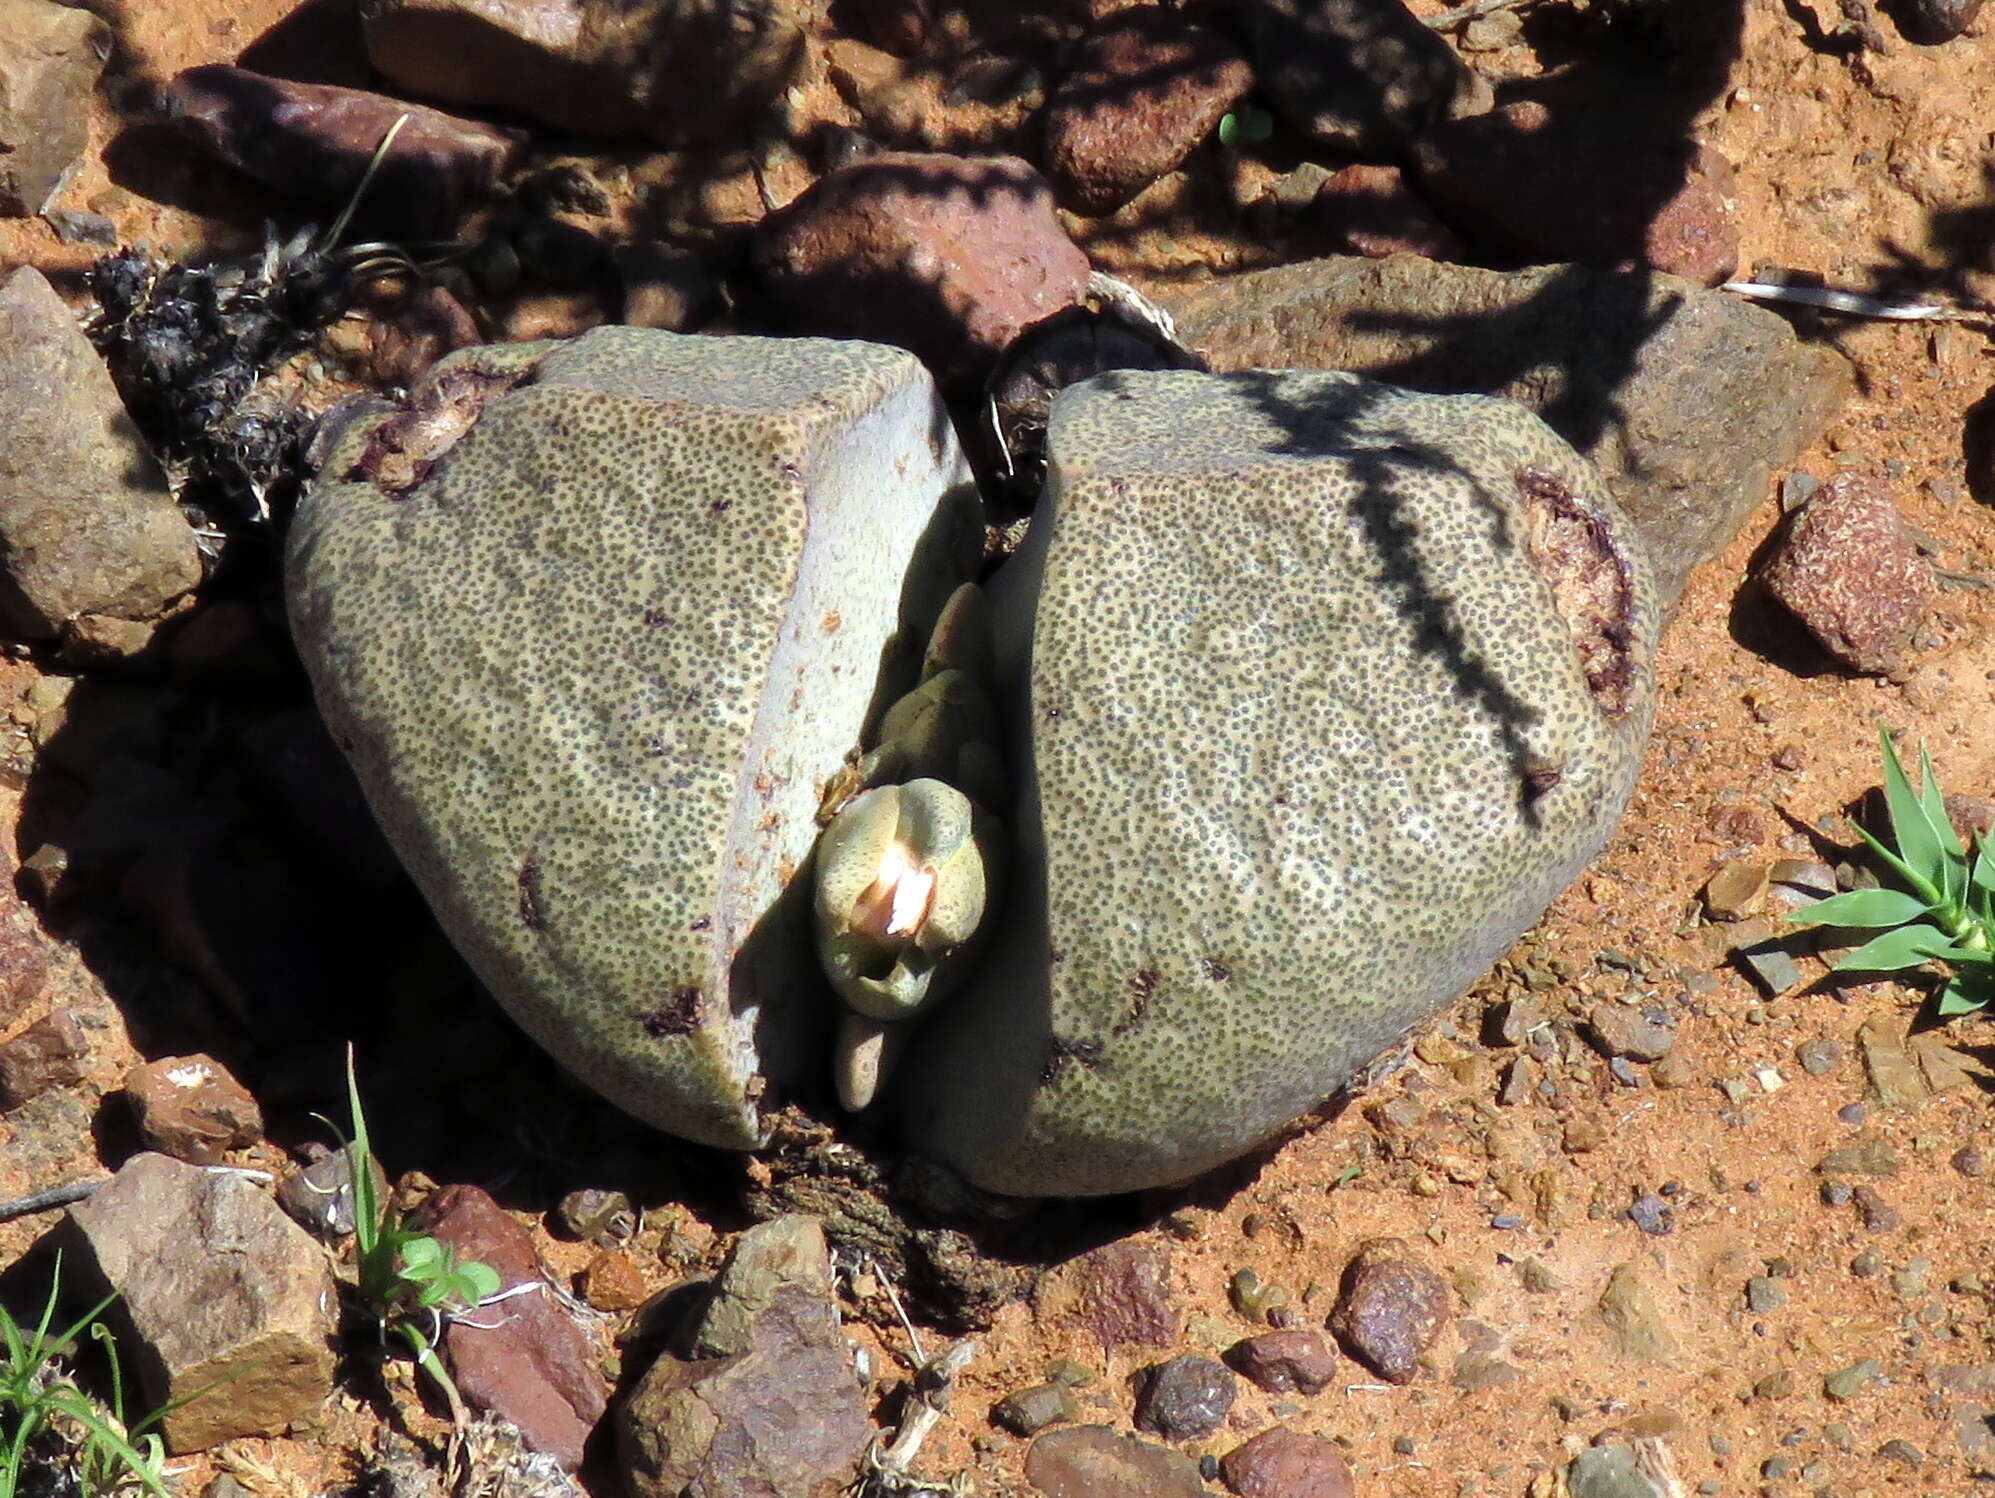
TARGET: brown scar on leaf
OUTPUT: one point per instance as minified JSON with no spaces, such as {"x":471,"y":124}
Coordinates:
{"x":1062,"y":1053}
{"x":532,"y":914}
{"x":1592,"y":583}
{"x":1142,"y":989}
{"x":680,"y":1016}
{"x":401,"y":451}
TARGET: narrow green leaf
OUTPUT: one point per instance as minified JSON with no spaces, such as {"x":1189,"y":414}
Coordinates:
{"x":366,"y":1209}
{"x":1864,"y":907}
{"x":1906,"y":947}
{"x":1918,"y":840}
{"x":1229,"y":130}
{"x":1951,"y":850}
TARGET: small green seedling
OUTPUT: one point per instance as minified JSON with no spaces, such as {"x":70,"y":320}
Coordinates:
{"x":1944,"y":911}
{"x":409,"y":1280}
{"x":39,"y":1400}
{"x":1245,"y":126}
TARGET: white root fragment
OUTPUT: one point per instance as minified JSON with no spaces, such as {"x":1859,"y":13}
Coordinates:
{"x":1857,"y":304}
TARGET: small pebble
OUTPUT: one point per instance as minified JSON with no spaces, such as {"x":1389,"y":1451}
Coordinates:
{"x":1774,"y":1467}
{"x":1066,"y":1371}
{"x":1763,"y":1295}
{"x":1652,"y":1215}
{"x":1796,"y":489}
{"x":1866,"y":1266}
{"x":1867,"y":1157}
{"x":1838,"y":1435}
{"x":1820,"y":1056}
{"x":1969,"y":1162}
{"x":1185,"y":1398}
{"x":597,"y":1216}
{"x":1835,"y":1194}
{"x":1847,"y":1383}
{"x":1506,"y":1222}
{"x":1853,"y":1114}
{"x":1776,"y":1385}
{"x":1029,"y":1411}
{"x":1901,"y":1450}
{"x":1878,"y":1215}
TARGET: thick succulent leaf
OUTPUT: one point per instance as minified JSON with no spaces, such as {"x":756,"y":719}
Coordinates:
{"x":1911,"y":824}
{"x":1906,"y":947}
{"x":1864,"y":907}
{"x":1951,"y":850}
{"x":1964,"y":995}
{"x":1984,"y":866}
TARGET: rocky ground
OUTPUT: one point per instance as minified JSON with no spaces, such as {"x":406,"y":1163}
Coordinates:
{"x":1657,"y":1208}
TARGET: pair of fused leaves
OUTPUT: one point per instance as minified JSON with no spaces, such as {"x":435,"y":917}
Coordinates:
{"x":1944,"y":909}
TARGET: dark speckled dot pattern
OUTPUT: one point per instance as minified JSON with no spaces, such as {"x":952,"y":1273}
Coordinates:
{"x":1278,"y":699}
{"x":589,"y":674}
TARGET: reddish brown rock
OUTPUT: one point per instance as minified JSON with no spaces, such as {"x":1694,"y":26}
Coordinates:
{"x":1369,"y":210}
{"x":1185,"y":1398}
{"x":23,"y":952}
{"x":614,"y":70}
{"x":1363,"y":76}
{"x":421,"y":331}
{"x":52,"y":1052}
{"x":1849,"y":570}
{"x":765,"y":1403}
{"x":947,"y":256}
{"x":1530,"y":184}
{"x":1291,"y":1362}
{"x":1391,"y":1309}
{"x":86,"y":523}
{"x":1931,"y":22}
{"x":1149,"y":86}
{"x":189,"y":1107}
{"x":50,"y":56}
{"x":1120,"y":1293}
{"x":227,"y":1306}
{"x":613,"y":1282}
{"x":1092,"y":1461}
{"x":896,"y":26}
{"x":532,"y":1364}
{"x":313,"y":141}
{"x":1284,"y":1463}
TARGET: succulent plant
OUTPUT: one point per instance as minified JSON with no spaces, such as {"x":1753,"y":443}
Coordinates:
{"x":594,"y":622}
{"x":1318,"y":692}
{"x":1303,"y":699}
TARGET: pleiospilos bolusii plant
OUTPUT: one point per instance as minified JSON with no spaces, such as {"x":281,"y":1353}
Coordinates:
{"x":1301,"y":699}
{"x":1944,"y":911}
{"x":46,"y":1418}
{"x":408,"y":1279}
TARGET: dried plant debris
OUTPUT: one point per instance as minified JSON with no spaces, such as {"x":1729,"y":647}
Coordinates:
{"x":194,"y":347}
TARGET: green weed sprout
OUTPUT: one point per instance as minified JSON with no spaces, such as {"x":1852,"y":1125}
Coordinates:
{"x":406,"y":1278}
{"x":1945,"y":910}
{"x":36,"y":1397}
{"x":1245,"y":126}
